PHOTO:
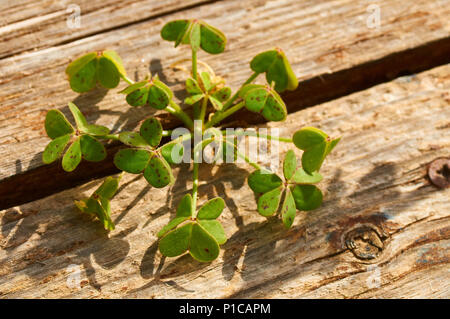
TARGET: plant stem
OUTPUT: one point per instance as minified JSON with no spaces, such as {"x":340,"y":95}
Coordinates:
{"x":245,"y":158}
{"x":194,"y":64}
{"x":194,"y":188}
{"x":127,"y":79}
{"x":257,"y":134}
{"x":110,"y":136}
{"x":234,"y":97}
{"x":203,"y":109}
{"x":176,"y":110}
{"x":219,"y":116}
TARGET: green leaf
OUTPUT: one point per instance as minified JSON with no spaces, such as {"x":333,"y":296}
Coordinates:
{"x":332,"y":145}
{"x":133,"y":87}
{"x":85,"y":78}
{"x":184,"y":208}
{"x":104,"y":214}
{"x":116,"y":60}
{"x":138,"y":97}
{"x":206,"y":81}
{"x":223,"y":94}
{"x":211,"y":209}
{"x":55,"y":148}
{"x":288,"y":209}
{"x":132,"y":139}
{"x":175,"y":30}
{"x":277,"y":68}
{"x":216,"y":103}
{"x":171,"y":225}
{"x":172,"y":152}
{"x":248,"y":87}
{"x":93,"y":129}
{"x":56,"y":124}
{"x":212,"y":40}
{"x":131,"y":160}
{"x":308,"y":137}
{"x":264,"y":100}
{"x":255,"y":99}
{"x":80,"y":120}
{"x":268,"y":203}
{"x":158,"y":97}
{"x":91,"y":149}
{"x":203,"y":246}
{"x":302,"y":177}
{"x":313,"y":158}
{"x":151,"y":130}
{"x":274,"y":109}
{"x":194,"y":36}
{"x":307,"y":197}
{"x":162,"y":86}
{"x":108,"y":188}
{"x":72,"y":157}
{"x":80,"y":63}
{"x":98,"y":206}
{"x":107,"y":73}
{"x":215,"y":229}
{"x":289,"y":164}
{"x":193,"y":99}
{"x":193,"y":87}
{"x":316,"y":146}
{"x":262,"y":181}
{"x":177,"y":241}
{"x":158,"y":172}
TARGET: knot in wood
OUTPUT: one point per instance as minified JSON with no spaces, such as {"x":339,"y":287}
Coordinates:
{"x":439,"y":172}
{"x":364,"y":242}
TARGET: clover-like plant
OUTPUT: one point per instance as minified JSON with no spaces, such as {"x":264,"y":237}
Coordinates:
{"x":193,"y":229}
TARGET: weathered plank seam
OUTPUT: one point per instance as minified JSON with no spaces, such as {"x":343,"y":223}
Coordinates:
{"x":316,"y":90}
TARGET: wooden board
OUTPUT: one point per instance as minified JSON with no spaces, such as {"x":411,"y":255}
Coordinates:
{"x":375,"y":187}
{"x":33,"y":82}
{"x":32,"y":25}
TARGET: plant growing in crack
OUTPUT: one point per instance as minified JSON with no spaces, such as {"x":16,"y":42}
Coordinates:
{"x":193,"y":229}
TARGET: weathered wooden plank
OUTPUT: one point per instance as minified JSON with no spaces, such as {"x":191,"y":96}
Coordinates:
{"x":328,"y":53}
{"x":375,"y":182}
{"x":31,"y":25}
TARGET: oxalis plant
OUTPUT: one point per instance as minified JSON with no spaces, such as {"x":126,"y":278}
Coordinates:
{"x":193,"y":229}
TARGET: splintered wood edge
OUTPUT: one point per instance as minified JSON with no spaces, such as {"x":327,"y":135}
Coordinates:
{"x":374,"y":179}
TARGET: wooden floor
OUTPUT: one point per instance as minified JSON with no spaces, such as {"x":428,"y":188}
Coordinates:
{"x":384,"y":229}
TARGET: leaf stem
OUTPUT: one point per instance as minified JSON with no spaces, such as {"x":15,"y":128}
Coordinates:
{"x":194,"y":64}
{"x":176,"y":110}
{"x":235,"y":96}
{"x":259,"y":135}
{"x":219,"y":116}
{"x":244,"y":157}
{"x":109,"y":136}
{"x":203,"y":109}
{"x":127,"y":79}
{"x":195,"y":188}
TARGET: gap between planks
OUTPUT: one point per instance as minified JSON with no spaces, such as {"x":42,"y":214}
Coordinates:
{"x":313,"y":91}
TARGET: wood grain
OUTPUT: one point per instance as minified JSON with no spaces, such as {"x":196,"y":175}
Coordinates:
{"x":375,"y":181}
{"x":32,"y":25}
{"x":331,"y":59}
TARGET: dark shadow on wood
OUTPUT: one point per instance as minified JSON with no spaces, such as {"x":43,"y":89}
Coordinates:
{"x":310,"y":92}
